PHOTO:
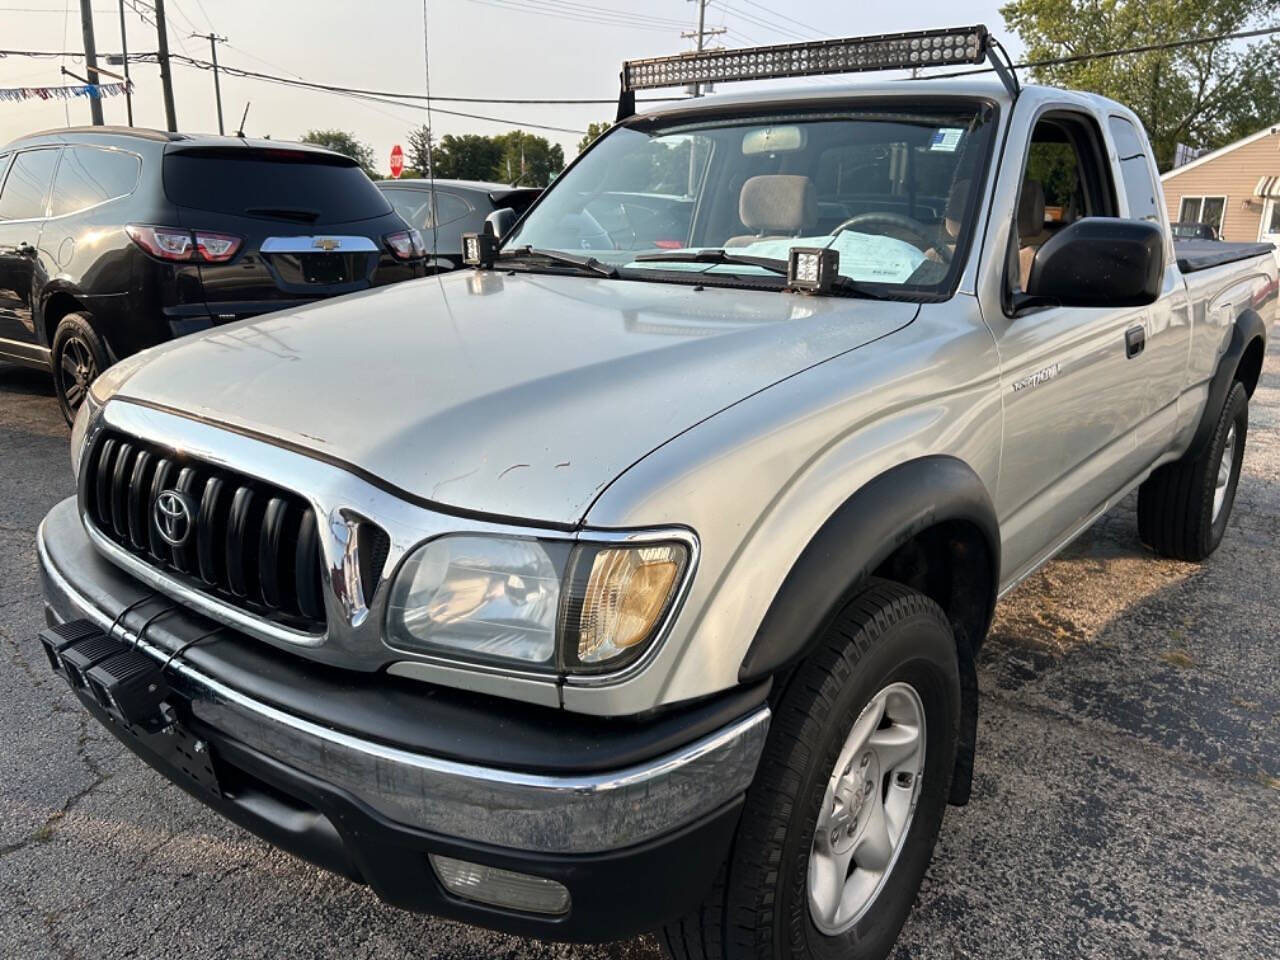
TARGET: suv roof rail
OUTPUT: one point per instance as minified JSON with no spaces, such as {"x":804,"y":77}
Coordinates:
{"x":145,"y":133}
{"x":884,"y":51}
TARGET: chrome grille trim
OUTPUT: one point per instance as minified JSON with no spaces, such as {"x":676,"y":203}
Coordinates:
{"x":342,"y":501}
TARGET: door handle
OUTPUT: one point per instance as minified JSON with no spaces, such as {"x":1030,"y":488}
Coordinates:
{"x":1135,"y":341}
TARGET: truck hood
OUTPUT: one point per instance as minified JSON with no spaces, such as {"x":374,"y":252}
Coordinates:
{"x":519,"y":395}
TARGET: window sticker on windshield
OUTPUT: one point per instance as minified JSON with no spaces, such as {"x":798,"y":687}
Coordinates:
{"x":946,"y":139}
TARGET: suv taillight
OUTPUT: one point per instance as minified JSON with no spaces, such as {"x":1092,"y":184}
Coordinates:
{"x":174,"y":243}
{"x":406,"y":245}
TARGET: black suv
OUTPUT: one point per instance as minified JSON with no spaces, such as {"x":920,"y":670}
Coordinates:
{"x":115,"y":239}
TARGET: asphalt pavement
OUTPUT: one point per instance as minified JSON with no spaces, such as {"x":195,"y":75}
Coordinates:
{"x":1127,"y":798}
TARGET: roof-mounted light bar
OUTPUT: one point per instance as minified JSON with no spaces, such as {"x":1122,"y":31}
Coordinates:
{"x":887,"y":51}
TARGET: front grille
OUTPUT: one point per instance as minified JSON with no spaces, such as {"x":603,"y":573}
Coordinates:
{"x":252,"y":544}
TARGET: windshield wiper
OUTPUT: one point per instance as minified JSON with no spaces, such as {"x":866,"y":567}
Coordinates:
{"x":568,"y":259}
{"x":842,"y":284}
{"x":772,"y":264}
{"x":301,"y":214}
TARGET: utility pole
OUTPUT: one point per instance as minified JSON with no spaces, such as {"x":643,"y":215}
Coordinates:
{"x":124,"y":55}
{"x":214,"y":40}
{"x":91,"y":59}
{"x":166,"y":80}
{"x":699,"y":37}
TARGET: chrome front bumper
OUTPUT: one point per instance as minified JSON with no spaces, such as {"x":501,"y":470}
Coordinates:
{"x":520,"y":811}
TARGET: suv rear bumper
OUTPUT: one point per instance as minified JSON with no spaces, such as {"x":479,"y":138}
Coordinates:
{"x":636,"y":842}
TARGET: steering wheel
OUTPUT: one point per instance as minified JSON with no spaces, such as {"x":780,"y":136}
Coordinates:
{"x":891,"y":225}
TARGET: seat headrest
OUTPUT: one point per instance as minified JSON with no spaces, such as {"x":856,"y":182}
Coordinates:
{"x":953,"y":217}
{"x":1031,"y":209}
{"x":778,"y":203}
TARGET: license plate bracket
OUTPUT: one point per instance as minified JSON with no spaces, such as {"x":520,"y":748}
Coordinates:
{"x":184,"y":751}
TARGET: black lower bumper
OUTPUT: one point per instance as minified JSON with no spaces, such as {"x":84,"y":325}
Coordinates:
{"x":612,"y":895}
{"x":289,"y":743}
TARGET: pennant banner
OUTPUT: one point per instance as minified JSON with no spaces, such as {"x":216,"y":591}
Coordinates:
{"x":95,"y":90}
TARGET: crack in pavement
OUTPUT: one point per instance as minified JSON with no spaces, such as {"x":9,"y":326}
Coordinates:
{"x":45,"y":832}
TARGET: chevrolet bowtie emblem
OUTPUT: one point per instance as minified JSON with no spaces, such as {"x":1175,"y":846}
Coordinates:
{"x":327,"y":244}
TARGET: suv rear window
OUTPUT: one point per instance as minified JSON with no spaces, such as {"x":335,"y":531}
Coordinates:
{"x":283,"y":184}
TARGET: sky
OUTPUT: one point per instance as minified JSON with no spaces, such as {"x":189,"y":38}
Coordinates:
{"x":478,"y":48}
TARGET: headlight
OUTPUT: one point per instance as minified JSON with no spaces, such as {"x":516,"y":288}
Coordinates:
{"x":88,"y":410}
{"x":543,"y":605}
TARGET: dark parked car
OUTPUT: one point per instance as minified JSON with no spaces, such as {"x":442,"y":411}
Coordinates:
{"x":115,"y":239}
{"x":1187,"y":230}
{"x":460,"y":207}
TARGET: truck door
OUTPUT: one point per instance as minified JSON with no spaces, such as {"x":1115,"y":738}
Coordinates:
{"x":1072,"y":378}
{"x":24,"y":198}
{"x":1162,"y":365}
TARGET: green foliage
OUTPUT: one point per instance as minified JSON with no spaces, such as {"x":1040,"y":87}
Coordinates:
{"x":528,"y":160}
{"x":593,"y":130}
{"x":515,"y":157}
{"x":416,"y":151}
{"x":339,"y":141}
{"x":1205,"y":95}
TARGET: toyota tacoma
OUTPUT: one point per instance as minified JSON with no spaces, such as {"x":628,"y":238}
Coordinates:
{"x":634,"y":579}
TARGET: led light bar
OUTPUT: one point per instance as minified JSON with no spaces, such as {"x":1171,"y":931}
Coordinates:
{"x":888,"y":51}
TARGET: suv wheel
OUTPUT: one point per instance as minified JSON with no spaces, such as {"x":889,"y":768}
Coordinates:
{"x":78,"y":356}
{"x":1183,"y":507}
{"x":840,"y":823}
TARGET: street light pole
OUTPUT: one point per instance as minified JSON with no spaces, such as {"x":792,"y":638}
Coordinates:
{"x":214,"y":40}
{"x":124,"y":55}
{"x":166,"y":79}
{"x":91,"y":59}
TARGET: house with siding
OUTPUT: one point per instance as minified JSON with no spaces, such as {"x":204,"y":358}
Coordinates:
{"x":1235,"y":189}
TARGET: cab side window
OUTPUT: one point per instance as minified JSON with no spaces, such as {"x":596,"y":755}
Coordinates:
{"x":1065,"y":179}
{"x":1135,"y":170}
{"x":88,"y":176}
{"x":25,"y":193}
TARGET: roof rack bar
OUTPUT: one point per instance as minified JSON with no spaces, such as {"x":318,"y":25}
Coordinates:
{"x":1004,"y":69}
{"x":886,"y":51}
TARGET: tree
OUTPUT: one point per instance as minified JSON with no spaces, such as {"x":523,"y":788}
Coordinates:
{"x":528,"y":160}
{"x":1204,"y":95}
{"x":593,"y":131}
{"x":418,"y":157}
{"x":339,"y":141}
{"x":467,"y":157}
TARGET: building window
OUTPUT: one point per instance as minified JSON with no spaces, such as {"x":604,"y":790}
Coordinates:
{"x":1208,"y":210}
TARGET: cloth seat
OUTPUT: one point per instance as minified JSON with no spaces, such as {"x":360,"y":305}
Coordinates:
{"x":775,"y":205}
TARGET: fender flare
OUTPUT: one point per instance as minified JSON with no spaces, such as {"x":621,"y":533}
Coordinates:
{"x":1247,"y":328}
{"x":855,"y":540}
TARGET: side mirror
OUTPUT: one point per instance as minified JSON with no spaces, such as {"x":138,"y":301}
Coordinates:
{"x":1098,"y":262}
{"x":500,"y":222}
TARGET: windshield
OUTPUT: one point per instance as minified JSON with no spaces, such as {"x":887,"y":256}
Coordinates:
{"x":889,"y":191}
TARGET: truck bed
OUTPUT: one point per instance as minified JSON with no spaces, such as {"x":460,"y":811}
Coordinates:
{"x":1196,"y":255}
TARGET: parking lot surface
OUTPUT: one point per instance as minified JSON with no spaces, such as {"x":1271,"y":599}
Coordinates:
{"x":1126,"y":803}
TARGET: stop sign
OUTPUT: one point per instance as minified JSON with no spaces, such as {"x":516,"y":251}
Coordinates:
{"x":397,"y":161}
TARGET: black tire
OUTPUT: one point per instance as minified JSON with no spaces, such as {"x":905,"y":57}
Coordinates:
{"x":1176,"y":503}
{"x":759,"y":907}
{"x":77,"y":357}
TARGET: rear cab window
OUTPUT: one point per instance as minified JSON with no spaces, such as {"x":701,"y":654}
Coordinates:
{"x":302,"y":186}
{"x":1135,"y":170}
{"x":25,"y":193}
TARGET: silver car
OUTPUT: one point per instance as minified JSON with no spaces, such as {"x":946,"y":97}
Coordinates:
{"x":635,"y":579}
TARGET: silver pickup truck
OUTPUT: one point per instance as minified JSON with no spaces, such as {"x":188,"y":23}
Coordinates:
{"x":635,"y":578}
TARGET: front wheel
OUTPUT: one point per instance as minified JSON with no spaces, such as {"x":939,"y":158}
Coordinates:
{"x":840,"y":824}
{"x":78,"y":356}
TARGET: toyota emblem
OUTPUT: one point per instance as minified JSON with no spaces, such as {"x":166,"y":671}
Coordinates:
{"x":175,"y":515}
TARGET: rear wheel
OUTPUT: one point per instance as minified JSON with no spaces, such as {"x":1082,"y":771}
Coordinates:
{"x":1183,"y":507}
{"x":78,"y":356}
{"x":840,"y":823}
